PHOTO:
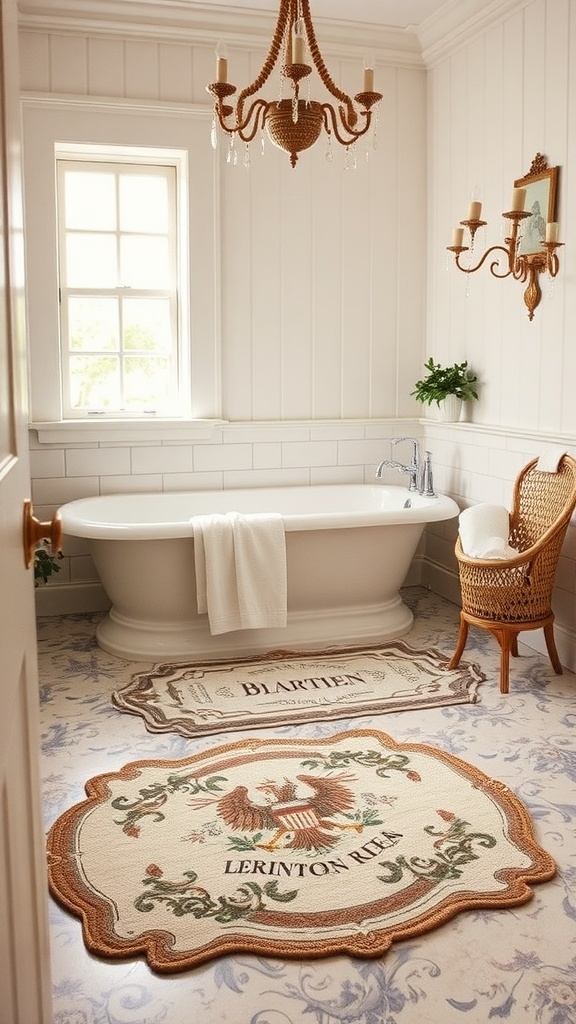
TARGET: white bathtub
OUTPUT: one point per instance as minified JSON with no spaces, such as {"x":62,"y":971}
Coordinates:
{"x":348,"y":549}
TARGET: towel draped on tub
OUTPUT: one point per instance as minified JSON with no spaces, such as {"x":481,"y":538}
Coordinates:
{"x":240,"y":564}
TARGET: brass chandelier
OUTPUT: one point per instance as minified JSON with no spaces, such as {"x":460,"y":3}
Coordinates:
{"x":293,"y":124}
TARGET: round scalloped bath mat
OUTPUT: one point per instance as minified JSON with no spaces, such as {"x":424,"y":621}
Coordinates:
{"x":289,"y":848}
{"x":290,"y":688}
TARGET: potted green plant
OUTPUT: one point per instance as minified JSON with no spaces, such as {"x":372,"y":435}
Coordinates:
{"x":448,"y":386}
{"x":45,"y":564}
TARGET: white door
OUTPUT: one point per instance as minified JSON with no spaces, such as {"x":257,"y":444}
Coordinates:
{"x":24,"y":952}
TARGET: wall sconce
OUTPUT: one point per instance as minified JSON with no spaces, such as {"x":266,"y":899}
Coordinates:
{"x":530,"y":248}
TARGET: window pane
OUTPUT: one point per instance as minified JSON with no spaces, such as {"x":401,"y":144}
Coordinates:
{"x":146,"y":382}
{"x":91,"y":261}
{"x":95,"y":382}
{"x":93,"y":323}
{"x":144,"y":262}
{"x":118,"y":246}
{"x":146,"y":324}
{"x":90,"y":201}
{"x":143,"y":203}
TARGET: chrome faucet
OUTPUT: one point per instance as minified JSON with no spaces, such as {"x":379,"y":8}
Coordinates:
{"x":419,"y":470}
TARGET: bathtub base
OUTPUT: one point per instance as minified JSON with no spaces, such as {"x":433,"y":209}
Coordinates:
{"x":192,"y":641}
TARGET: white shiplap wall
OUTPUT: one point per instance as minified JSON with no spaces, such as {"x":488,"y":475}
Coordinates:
{"x":500,"y":94}
{"x":321,"y":295}
{"x":503,"y":96}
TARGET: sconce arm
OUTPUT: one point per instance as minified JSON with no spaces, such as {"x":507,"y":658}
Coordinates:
{"x":494,"y":266}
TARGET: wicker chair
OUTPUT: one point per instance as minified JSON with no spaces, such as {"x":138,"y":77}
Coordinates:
{"x":507,"y":597}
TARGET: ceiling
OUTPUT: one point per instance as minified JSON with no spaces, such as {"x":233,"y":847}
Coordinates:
{"x":394,"y":13}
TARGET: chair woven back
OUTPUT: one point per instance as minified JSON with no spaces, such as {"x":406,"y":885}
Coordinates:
{"x":521,"y":590}
{"x":541,"y":501}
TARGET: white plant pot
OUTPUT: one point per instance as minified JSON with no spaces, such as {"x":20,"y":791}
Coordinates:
{"x":449,"y":409}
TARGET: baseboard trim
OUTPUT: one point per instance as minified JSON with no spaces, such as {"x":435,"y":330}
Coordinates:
{"x":440,"y":580}
{"x":71,"y":599}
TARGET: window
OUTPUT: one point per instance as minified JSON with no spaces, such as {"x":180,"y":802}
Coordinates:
{"x":94,"y":137}
{"x":118,"y":271}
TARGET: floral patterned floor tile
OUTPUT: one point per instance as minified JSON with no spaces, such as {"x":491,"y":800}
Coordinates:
{"x":512,"y":965}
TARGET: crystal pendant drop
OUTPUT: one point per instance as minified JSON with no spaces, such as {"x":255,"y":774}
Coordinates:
{"x":329,"y":153}
{"x":375,"y":130}
{"x":294,"y":109}
{"x":247,"y":155}
{"x":214,"y":134}
{"x":262,"y":143}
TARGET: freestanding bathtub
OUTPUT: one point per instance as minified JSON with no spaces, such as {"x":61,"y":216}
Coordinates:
{"x":348,"y":550}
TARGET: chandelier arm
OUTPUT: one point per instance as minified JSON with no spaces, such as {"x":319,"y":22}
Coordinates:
{"x":493,"y":266}
{"x":331,"y":125}
{"x":268,"y":66}
{"x":256,"y":109}
{"x":323,"y":70}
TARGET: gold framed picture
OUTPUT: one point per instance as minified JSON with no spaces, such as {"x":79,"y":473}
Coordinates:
{"x":541,"y":185}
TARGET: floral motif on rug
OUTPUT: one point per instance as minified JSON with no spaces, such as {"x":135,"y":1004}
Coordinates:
{"x":289,"y":848}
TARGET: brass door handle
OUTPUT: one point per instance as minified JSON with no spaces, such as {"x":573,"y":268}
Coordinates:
{"x":35,"y":531}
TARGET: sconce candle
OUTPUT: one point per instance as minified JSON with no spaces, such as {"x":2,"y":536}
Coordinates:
{"x":551,"y":232}
{"x":457,"y":237}
{"x":518,"y":200}
{"x":474,"y":211}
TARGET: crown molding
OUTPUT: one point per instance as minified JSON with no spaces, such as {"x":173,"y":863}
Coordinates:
{"x":459,"y":21}
{"x":51,"y":101}
{"x":198,"y":22}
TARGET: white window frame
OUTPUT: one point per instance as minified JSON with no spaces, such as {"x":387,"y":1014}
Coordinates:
{"x":92,"y":125}
{"x":176,"y":293}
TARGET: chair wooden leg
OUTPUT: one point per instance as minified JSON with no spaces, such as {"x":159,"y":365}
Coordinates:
{"x":514,"y":646}
{"x":507,"y":641}
{"x":461,"y":644}
{"x":551,"y":645}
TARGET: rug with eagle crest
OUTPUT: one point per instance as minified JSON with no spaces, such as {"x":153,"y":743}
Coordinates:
{"x":289,"y":848}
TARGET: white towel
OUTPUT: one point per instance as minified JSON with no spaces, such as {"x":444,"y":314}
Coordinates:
{"x":484,"y":532}
{"x":240,"y":564}
{"x":549,"y":460}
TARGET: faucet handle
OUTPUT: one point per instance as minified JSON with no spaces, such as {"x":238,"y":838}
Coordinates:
{"x":415,"y":446}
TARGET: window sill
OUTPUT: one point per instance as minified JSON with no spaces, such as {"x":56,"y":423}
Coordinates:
{"x":78,"y":431}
